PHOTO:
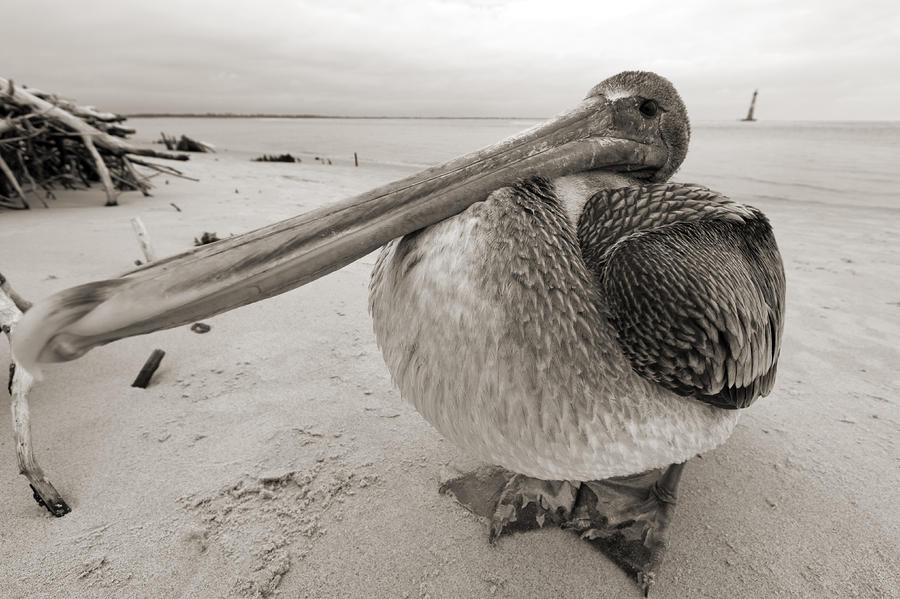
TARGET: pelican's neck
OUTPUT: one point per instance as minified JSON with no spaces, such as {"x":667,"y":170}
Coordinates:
{"x":573,"y":191}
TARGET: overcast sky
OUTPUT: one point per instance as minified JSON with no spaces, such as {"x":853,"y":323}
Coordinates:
{"x":810,"y":60}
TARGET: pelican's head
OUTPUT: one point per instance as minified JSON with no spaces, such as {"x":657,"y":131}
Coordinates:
{"x":654,"y":111}
{"x":631,"y":127}
{"x":645,"y":108}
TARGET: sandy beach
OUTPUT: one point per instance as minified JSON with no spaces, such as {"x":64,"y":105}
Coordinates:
{"x":272,"y":456}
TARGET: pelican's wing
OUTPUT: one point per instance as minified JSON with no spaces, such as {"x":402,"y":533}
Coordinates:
{"x":698,"y":306}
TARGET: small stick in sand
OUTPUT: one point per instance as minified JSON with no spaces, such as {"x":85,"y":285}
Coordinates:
{"x":174,"y":205}
{"x":150,"y":366}
{"x":143,"y":239}
{"x":20,"y":381}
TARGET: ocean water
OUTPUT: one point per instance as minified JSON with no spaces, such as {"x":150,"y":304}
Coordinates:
{"x":844,"y":163}
{"x":847,"y":163}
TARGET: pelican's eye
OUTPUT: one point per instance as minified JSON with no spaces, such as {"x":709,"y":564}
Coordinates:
{"x":649,"y":108}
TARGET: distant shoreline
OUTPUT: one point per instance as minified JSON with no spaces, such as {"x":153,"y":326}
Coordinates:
{"x":229,"y":115}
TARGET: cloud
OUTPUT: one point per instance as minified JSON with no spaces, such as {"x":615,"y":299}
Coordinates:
{"x":811,"y":60}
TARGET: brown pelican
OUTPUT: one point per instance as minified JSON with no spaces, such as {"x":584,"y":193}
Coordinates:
{"x":548,"y":303}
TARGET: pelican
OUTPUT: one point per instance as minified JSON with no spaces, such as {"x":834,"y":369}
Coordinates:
{"x":549,"y":303}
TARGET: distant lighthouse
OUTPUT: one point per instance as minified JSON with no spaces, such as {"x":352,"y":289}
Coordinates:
{"x":749,"y":116}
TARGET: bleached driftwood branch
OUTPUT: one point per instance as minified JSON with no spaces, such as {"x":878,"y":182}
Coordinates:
{"x":20,"y":381}
{"x":102,"y":171}
{"x":143,"y":239}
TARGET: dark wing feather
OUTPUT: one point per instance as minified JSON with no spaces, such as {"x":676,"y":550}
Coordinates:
{"x":698,"y":306}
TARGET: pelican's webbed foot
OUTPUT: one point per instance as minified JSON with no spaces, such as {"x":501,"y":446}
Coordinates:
{"x":513,"y":502}
{"x":627,"y":518}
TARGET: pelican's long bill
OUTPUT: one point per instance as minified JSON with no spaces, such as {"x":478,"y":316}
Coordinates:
{"x":605,"y":132}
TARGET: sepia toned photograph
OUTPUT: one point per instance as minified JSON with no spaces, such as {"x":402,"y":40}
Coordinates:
{"x":450,"y":299}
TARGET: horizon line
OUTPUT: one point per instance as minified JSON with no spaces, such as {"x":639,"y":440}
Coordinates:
{"x":256,"y":115}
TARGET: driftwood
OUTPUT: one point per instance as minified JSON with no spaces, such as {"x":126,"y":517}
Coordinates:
{"x":13,"y":182}
{"x":143,"y":239}
{"x":22,"y":304}
{"x":185,"y":144}
{"x":102,"y":171}
{"x":142,"y":181}
{"x":46,"y":141}
{"x":206,"y":238}
{"x":164,"y":169}
{"x":20,"y":380}
{"x":150,"y":366}
{"x":85,"y":112}
{"x":109,"y":143}
{"x":276,"y":158}
{"x":169,"y":141}
{"x":107,"y":122}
